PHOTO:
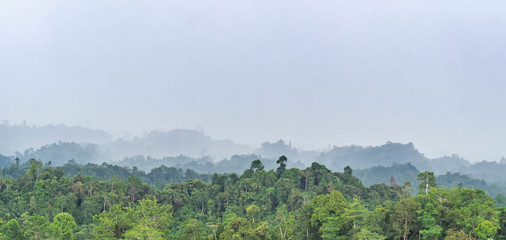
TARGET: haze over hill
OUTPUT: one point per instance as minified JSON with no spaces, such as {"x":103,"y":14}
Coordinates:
{"x":36,"y":141}
{"x":196,"y":150}
{"x":19,"y":137}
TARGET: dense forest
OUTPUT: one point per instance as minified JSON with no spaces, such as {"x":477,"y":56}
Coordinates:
{"x":110,"y":202}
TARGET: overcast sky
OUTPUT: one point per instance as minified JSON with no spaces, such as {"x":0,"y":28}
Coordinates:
{"x":311,"y":72}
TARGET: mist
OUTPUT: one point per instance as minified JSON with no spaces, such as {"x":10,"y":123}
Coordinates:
{"x":317,"y":74}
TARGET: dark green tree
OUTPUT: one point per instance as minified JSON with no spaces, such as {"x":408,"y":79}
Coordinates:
{"x":257,"y":165}
{"x":282,"y":165}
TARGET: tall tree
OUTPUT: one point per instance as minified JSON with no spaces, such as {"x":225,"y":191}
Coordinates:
{"x":428,"y":182}
{"x":35,"y":226}
{"x":257,"y":165}
{"x":282,"y":165}
{"x":134,"y":185}
{"x":405,"y":216}
{"x":356,"y":216}
{"x":252,"y":212}
{"x":111,"y":224}
{"x":34,"y":170}
{"x":328,"y":212}
{"x":428,"y":216}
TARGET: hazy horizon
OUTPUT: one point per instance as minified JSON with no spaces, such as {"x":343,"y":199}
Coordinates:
{"x":103,"y":140}
{"x":314,"y":73}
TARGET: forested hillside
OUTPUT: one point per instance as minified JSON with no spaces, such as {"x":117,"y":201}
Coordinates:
{"x":72,"y":202}
{"x":335,"y":158}
{"x":400,"y":173}
{"x":191,"y":149}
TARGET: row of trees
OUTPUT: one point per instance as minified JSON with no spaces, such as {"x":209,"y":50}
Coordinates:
{"x":313,"y":203}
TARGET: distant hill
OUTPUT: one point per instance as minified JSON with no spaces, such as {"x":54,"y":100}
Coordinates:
{"x":5,"y":161}
{"x":60,"y":153}
{"x":276,"y":149}
{"x":236,"y":163}
{"x":62,"y":143}
{"x":407,"y":172}
{"x":489,"y":171}
{"x":452,"y":163}
{"x":381,"y":174}
{"x":173,"y":143}
{"x":358,"y":157}
{"x":17,"y":138}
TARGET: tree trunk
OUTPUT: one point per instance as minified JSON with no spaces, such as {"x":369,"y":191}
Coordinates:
{"x":426,"y":185}
{"x":405,"y":225}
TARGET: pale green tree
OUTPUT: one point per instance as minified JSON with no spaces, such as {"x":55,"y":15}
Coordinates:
{"x":63,"y":226}
{"x":486,"y":230}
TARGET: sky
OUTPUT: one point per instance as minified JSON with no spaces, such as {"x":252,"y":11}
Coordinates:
{"x":316,"y":73}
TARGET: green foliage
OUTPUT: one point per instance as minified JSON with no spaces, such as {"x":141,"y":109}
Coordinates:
{"x":328,"y":211}
{"x":500,"y":200}
{"x":486,"y":230}
{"x":35,"y":226}
{"x":356,"y":217}
{"x":427,"y":216}
{"x":148,"y":212}
{"x":501,"y":217}
{"x":428,"y":182}
{"x":473,"y":207}
{"x":63,"y":226}
{"x":282,"y":165}
{"x":193,"y":229}
{"x":365,"y":234}
{"x":11,"y":230}
{"x":252,"y":212}
{"x":404,"y":217}
{"x":257,"y":165}
{"x":143,"y":232}
{"x":452,"y":234}
{"x":312,"y":203}
{"x":111,"y":224}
